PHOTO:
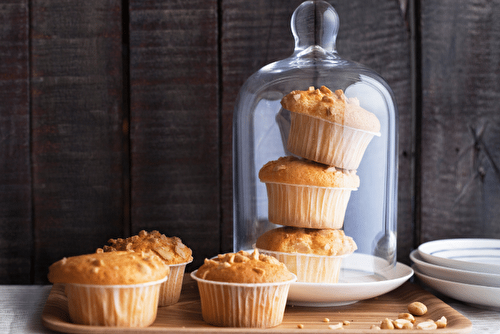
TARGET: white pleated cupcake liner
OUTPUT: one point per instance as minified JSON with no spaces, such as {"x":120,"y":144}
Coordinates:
{"x":259,"y":305}
{"x":170,"y":290}
{"x":133,"y":305}
{"x":325,"y":142}
{"x":310,"y":268}
{"x":307,"y":206}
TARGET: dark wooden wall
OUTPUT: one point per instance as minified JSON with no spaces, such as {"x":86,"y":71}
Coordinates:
{"x":116,"y":116}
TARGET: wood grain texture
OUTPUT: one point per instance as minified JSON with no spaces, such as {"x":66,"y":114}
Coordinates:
{"x":15,"y":177}
{"x":174,"y":121}
{"x":375,"y":34}
{"x":371,"y":32}
{"x":185,"y":316}
{"x":254,"y":34}
{"x":76,"y":94}
{"x":460,"y":159}
{"x":81,"y":162}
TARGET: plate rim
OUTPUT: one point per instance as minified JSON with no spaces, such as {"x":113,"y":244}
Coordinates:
{"x":435,"y":282}
{"x":437,"y":271}
{"x":424,"y":251}
{"x":386,"y":285}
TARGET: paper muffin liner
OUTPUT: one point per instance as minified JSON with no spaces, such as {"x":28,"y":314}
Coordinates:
{"x":307,"y":206}
{"x":325,"y":142}
{"x":133,"y":305}
{"x":170,"y":290}
{"x":310,"y":268}
{"x":259,"y":305}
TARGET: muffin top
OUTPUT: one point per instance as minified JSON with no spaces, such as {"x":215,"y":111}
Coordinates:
{"x":306,"y":241}
{"x":244,"y":267}
{"x":333,"y":107}
{"x":109,"y":268}
{"x":292,"y":170}
{"x":170,"y":249}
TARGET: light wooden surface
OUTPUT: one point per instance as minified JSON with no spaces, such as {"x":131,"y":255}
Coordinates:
{"x":21,"y":308}
{"x":185,"y":316}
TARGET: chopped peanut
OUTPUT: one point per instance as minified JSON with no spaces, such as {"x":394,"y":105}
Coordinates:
{"x":441,"y":323}
{"x":336,"y":326}
{"x":386,"y":324}
{"x":407,"y":316}
{"x":402,"y":324}
{"x":427,"y":325}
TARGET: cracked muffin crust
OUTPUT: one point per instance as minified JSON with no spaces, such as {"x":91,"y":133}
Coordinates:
{"x":169,"y":249}
{"x":331,"y":106}
{"x":109,"y":268}
{"x":244,"y":267}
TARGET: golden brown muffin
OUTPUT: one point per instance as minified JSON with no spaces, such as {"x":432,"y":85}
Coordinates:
{"x":333,"y":107}
{"x":328,"y":128}
{"x":315,"y":256}
{"x":119,"y":289}
{"x":244,"y":267}
{"x":303,"y":193}
{"x":307,"y":241}
{"x":170,"y":249}
{"x":243,"y":290}
{"x":109,"y":269}
{"x":292,"y":170}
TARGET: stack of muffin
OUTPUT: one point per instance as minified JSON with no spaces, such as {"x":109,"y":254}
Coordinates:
{"x":309,"y":195}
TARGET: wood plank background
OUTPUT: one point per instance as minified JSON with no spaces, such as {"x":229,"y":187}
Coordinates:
{"x":116,"y":116}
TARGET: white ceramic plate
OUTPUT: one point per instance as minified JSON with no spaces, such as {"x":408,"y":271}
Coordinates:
{"x":468,"y":293}
{"x":359,"y":287}
{"x":452,"y":274}
{"x":481,"y":255}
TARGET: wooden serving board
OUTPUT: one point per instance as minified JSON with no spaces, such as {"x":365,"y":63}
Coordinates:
{"x":185,"y":316}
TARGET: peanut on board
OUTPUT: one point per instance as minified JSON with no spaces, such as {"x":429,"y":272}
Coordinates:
{"x":427,"y":325}
{"x":386,"y":324}
{"x":417,"y":308}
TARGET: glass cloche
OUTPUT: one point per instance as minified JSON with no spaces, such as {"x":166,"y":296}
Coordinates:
{"x":262,"y":132}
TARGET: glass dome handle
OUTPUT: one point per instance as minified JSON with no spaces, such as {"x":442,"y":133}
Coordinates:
{"x":315,"y":23}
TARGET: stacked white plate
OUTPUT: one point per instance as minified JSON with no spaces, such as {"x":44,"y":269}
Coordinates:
{"x":464,"y":269}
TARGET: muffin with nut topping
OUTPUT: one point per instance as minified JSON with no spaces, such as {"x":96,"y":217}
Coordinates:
{"x":243,"y":290}
{"x":119,"y":289}
{"x":170,"y":249}
{"x":314,"y":255}
{"x":307,"y":194}
{"x":328,"y":127}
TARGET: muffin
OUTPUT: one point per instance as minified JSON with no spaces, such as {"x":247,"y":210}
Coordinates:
{"x":313,"y":255}
{"x":327,"y":127}
{"x":111,"y":289}
{"x":170,"y":249}
{"x":243,"y":290}
{"x":307,"y":194}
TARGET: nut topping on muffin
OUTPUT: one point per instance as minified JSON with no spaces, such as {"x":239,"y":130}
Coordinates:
{"x":334,"y":107}
{"x":244,"y":267}
{"x":170,"y":249}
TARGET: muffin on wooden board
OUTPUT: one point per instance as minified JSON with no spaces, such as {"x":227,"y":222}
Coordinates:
{"x":111,"y":289}
{"x":243,"y":290}
{"x":314,"y":255}
{"x":170,"y":249}
{"x":307,"y":194}
{"x":329,"y":128}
